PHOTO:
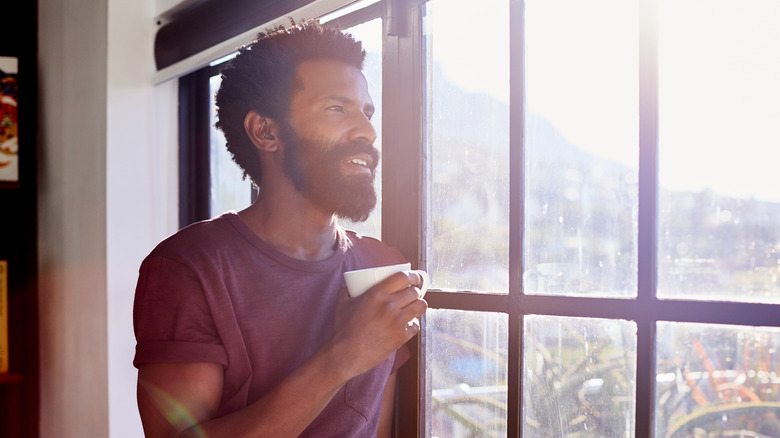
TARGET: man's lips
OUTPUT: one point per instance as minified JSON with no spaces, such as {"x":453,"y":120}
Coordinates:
{"x":361,"y":163}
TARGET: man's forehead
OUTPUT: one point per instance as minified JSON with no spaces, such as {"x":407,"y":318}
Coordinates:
{"x":320,"y":77}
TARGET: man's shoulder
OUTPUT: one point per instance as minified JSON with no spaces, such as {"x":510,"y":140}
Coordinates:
{"x":361,"y":241}
{"x":367,"y":246}
{"x":204,"y":235}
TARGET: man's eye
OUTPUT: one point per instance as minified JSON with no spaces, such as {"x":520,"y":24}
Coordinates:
{"x":337,"y":108}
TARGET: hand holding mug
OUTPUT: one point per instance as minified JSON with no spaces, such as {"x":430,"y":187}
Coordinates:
{"x":361,"y":280}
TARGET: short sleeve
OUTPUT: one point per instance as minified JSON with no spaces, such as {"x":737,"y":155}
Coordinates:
{"x":171,"y":316}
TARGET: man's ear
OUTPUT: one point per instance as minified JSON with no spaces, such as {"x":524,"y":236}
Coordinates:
{"x":261,"y":131}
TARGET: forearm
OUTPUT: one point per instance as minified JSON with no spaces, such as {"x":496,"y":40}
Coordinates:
{"x":287,"y":409}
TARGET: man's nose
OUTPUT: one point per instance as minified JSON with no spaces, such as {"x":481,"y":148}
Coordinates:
{"x":363,"y":130}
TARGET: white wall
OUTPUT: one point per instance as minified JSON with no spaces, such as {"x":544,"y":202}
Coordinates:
{"x":107,"y":195}
{"x":141,"y":186}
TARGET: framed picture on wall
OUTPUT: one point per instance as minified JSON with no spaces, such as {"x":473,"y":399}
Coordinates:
{"x":9,"y":122}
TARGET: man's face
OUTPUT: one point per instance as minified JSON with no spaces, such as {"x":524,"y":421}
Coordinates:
{"x":328,"y":140}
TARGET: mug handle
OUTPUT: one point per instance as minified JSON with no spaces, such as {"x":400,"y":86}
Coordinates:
{"x":426,"y":281}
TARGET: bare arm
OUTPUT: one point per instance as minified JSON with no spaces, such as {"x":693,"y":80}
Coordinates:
{"x":177,"y":398}
{"x":182,"y":399}
{"x":173,"y":397}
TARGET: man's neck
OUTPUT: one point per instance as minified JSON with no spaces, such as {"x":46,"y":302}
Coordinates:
{"x":292,"y":225}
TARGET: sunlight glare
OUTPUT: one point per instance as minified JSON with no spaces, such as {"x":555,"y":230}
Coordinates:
{"x":719,"y":88}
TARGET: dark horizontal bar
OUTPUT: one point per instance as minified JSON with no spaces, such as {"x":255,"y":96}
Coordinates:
{"x":750,"y":314}
{"x":480,"y":302}
{"x":211,"y":22}
{"x":706,"y":312}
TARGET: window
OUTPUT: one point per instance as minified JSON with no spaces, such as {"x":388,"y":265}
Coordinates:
{"x":590,"y":186}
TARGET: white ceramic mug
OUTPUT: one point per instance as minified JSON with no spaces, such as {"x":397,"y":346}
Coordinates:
{"x":363,"y":279}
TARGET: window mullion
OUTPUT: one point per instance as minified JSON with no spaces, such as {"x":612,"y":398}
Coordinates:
{"x":402,"y":182}
{"x":516,"y":215}
{"x":647,"y":216}
{"x":194,"y":170}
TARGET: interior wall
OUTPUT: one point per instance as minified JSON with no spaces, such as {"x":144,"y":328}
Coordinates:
{"x":18,"y":244}
{"x":72,"y":218}
{"x":107,"y":195}
{"x":141,"y":187}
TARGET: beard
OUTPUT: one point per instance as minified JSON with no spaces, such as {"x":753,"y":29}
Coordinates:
{"x":314,"y":167}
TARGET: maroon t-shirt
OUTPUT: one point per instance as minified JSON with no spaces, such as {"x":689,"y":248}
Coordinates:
{"x":215,"y":292}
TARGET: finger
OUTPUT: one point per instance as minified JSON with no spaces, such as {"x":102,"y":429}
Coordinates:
{"x":418,"y":291}
{"x":415,"y":279}
{"x":412,"y":328}
{"x":420,"y":280}
{"x":414,"y":309}
{"x":398,"y":281}
{"x":404,"y":297}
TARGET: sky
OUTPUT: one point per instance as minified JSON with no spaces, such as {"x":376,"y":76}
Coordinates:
{"x":719,"y":94}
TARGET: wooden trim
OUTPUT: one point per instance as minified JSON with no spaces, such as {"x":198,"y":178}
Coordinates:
{"x":10,"y":379}
{"x":650,"y":309}
{"x":402,"y":197}
{"x":515,"y":345}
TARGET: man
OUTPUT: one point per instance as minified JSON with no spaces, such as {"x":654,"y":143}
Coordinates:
{"x":243,"y":324}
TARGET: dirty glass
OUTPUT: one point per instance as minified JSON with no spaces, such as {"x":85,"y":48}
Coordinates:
{"x":466,"y":374}
{"x":716,"y":380}
{"x":719,"y":145}
{"x":467,"y":138}
{"x":579,"y":377}
{"x":581,"y":148}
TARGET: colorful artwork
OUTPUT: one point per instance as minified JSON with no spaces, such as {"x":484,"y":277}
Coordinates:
{"x":9,"y":121}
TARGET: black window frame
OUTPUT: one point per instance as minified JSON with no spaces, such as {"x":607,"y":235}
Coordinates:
{"x":194,"y":133}
{"x":403,"y":186}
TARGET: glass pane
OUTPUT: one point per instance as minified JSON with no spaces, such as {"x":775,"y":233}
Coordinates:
{"x":229,"y":189}
{"x":370,"y":34}
{"x":466,"y":382}
{"x":581,"y":148}
{"x":719,"y":145}
{"x":467,"y":134}
{"x":579,"y":377}
{"x":717,"y":381}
